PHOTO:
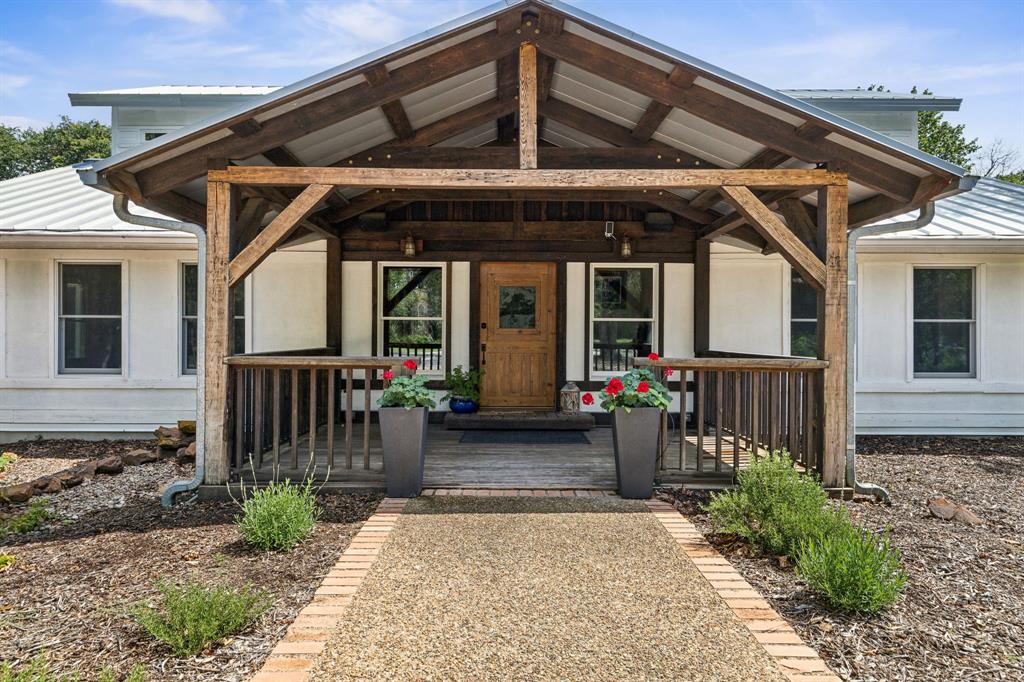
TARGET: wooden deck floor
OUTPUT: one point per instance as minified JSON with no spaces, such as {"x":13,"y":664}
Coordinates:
{"x":451,"y":464}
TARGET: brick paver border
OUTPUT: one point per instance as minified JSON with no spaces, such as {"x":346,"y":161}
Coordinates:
{"x":797,"y":661}
{"x":294,"y":656}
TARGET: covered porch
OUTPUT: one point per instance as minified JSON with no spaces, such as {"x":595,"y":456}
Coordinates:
{"x":549,"y":187}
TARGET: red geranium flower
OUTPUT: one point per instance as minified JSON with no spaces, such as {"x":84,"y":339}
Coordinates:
{"x":653,"y":357}
{"x":614,"y":387}
{"x":587,"y":399}
{"x":389,"y":375}
{"x":668,"y":372}
{"x":643,"y":387}
{"x":410,"y":364}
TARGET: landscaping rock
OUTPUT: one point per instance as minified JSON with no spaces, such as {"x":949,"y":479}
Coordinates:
{"x":110,"y":465}
{"x":22,"y":492}
{"x":187,"y":426}
{"x":46,"y":484}
{"x":170,"y":438}
{"x":86,"y":469}
{"x":946,"y":510}
{"x":69,"y":479}
{"x":187,"y":455}
{"x":137,"y":457}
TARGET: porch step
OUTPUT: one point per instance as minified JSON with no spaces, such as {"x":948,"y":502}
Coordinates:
{"x":519,"y":421}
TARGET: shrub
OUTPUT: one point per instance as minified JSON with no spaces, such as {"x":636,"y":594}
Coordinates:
{"x":26,"y":521}
{"x":6,"y":460}
{"x":278,"y":516}
{"x":775,"y":507}
{"x":854,"y":569}
{"x":193,"y":617}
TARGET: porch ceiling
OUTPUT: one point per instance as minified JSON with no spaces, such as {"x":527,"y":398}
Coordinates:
{"x":600,"y":87}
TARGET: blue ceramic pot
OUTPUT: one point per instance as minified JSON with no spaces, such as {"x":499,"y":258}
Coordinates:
{"x":462,"y":405}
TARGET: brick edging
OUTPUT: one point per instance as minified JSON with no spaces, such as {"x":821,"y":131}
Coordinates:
{"x":294,"y":656}
{"x":797,"y":661}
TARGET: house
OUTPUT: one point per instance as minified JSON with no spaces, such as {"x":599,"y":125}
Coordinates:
{"x":346,"y":239}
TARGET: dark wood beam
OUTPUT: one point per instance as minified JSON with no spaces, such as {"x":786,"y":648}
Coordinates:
{"x":377,"y":76}
{"x":657,"y":112}
{"x":439,"y":66}
{"x":776,"y":233}
{"x":727,"y":113}
{"x":249,"y":221}
{"x":801,"y":220}
{"x":508,"y":76}
{"x":766,"y":158}
{"x":276,"y":232}
{"x":281,"y":156}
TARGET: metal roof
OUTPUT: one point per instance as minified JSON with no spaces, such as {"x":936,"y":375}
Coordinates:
{"x":993,"y":210}
{"x":171,"y":95}
{"x":581,"y":88}
{"x":874,"y":100}
{"x":56,"y":202}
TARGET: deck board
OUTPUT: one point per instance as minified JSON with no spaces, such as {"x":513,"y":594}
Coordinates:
{"x":450,"y":463}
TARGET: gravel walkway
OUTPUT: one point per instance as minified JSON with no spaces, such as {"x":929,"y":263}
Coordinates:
{"x":537,"y":589}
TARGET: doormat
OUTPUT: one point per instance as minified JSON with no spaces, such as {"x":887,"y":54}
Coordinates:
{"x":525,"y":437}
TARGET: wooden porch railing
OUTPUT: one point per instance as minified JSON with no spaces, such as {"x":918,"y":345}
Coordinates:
{"x":754,"y":405}
{"x":280,"y":398}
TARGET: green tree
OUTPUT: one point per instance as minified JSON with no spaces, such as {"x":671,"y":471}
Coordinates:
{"x":1016,"y":177}
{"x":939,"y":137}
{"x":26,"y":150}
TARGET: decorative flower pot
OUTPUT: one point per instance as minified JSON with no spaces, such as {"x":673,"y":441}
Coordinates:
{"x":462,"y":405}
{"x":635,"y":435}
{"x":404,"y":436}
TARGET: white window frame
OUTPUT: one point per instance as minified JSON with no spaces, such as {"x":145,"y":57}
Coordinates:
{"x":60,"y":370}
{"x":976,"y":272}
{"x":182,"y":370}
{"x":655,"y":322}
{"x":379,"y":312}
{"x":790,"y":272}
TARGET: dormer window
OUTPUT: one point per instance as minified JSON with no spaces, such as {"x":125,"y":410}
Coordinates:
{"x":152,"y":135}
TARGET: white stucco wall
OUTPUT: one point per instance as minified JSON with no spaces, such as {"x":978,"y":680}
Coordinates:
{"x":151,"y":389}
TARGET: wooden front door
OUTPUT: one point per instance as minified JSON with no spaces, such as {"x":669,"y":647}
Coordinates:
{"x":517,"y":335}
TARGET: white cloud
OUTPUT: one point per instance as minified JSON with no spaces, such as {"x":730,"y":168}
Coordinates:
{"x":21,"y":122}
{"x":11,"y":82}
{"x":977,"y":71}
{"x":193,"y":11}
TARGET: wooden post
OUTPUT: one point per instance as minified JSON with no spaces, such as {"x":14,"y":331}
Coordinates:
{"x":333,"y":298}
{"x":219,"y":229}
{"x":832,"y":311}
{"x":527,"y":105}
{"x":702,"y":297}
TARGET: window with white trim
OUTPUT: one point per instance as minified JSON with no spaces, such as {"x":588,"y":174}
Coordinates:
{"x":623,"y":316}
{"x":190,"y":321}
{"x":89,"y":318}
{"x":944,"y":322}
{"x":412,"y":314}
{"x":803,"y":317}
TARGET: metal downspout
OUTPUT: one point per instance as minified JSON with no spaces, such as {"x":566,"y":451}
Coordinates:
{"x":121,"y":211}
{"x":925,"y":217}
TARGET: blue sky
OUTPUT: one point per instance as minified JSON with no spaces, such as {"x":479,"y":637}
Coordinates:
{"x":971,"y":50}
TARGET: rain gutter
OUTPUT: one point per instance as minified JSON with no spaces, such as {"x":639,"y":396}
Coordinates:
{"x":122,"y":212}
{"x":926,"y":215}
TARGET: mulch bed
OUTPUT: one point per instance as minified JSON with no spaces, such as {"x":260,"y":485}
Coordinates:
{"x":961,"y":617}
{"x":75,"y":579}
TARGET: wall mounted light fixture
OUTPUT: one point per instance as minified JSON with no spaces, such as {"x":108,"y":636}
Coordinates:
{"x":627,"y":247}
{"x":409,"y":246}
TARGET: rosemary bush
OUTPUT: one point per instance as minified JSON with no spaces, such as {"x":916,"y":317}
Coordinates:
{"x":854,"y":569}
{"x":191,"y":618}
{"x":278,"y":516}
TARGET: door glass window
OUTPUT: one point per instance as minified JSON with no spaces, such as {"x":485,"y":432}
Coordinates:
{"x":517,"y":307}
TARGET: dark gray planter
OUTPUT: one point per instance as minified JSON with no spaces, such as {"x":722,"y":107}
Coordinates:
{"x":404,"y":436}
{"x":635,"y":435}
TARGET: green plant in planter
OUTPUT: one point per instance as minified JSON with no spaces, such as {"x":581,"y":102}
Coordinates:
{"x":463,"y":384}
{"x":407,"y":392}
{"x":636,"y":388}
